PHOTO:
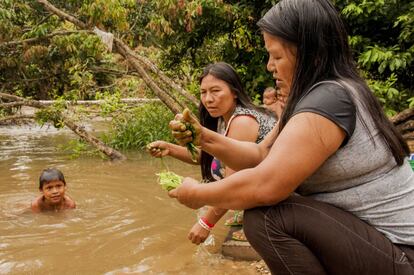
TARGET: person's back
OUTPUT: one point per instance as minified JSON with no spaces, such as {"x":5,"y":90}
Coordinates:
{"x":52,"y":185}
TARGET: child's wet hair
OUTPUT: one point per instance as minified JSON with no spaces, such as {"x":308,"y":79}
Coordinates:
{"x":50,"y":174}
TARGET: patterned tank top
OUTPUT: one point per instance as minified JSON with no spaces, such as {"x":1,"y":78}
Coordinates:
{"x":265,"y":121}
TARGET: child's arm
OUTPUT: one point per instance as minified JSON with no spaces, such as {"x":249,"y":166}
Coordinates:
{"x":69,"y":203}
{"x":35,"y":205}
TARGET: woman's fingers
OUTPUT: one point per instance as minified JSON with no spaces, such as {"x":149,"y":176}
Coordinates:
{"x":177,"y":125}
{"x":157,"y":148}
{"x":182,"y":134}
{"x":182,"y":137}
{"x":184,"y":193}
{"x":181,"y":131}
{"x":173,"y":194}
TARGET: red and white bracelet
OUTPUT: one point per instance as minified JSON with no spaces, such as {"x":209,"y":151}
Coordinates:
{"x":203,"y":222}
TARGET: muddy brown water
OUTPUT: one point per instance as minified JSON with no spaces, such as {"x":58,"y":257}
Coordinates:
{"x":124,"y":222}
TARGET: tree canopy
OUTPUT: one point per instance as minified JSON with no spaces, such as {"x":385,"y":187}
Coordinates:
{"x":43,"y":56}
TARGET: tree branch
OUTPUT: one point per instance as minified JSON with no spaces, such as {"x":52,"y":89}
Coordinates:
{"x":404,"y":115}
{"x":45,"y":103}
{"x":15,"y":118}
{"x":52,"y":9}
{"x":47,"y":36}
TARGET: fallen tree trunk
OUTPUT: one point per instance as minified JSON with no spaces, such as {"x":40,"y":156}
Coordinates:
{"x":190,"y":98}
{"x":79,"y":130}
{"x":131,"y":101}
{"x":168,"y":100}
{"x":15,"y":118}
{"x":91,"y":139}
{"x":403,"y":116}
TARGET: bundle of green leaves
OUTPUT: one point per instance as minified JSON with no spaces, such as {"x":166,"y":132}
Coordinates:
{"x":169,"y":180}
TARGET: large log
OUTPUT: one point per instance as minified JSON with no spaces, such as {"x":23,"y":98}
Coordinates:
{"x":91,"y":139}
{"x":168,"y":100}
{"x":403,"y":116}
{"x":404,"y":122}
{"x":15,"y":118}
{"x":129,"y":101}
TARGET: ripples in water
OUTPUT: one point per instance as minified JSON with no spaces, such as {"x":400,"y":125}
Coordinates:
{"x":124,"y":222}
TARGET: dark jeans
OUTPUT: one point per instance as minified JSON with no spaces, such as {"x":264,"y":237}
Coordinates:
{"x":304,"y":236}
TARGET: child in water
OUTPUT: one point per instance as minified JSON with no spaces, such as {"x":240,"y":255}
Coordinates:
{"x":52,"y":185}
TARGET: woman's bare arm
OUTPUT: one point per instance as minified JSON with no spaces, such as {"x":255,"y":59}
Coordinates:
{"x":162,"y":148}
{"x":301,"y":148}
{"x":235,"y":154}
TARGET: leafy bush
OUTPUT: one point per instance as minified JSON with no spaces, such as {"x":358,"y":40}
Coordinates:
{"x":143,"y":125}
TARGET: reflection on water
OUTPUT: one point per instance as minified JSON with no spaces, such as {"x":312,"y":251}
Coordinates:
{"x":124,"y":222}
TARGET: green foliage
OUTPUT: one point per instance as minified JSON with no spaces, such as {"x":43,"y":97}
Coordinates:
{"x":112,"y":103}
{"x":141,"y":126}
{"x":49,"y":68}
{"x":382,"y":35}
{"x":109,"y":14}
{"x":194,"y":33}
{"x":169,"y":180}
{"x":77,"y":148}
{"x":52,"y":114}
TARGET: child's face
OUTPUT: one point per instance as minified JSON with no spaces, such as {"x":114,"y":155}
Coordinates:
{"x":54,"y":191}
{"x":269,"y":97}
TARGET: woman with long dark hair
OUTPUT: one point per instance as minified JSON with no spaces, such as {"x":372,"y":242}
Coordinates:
{"x":330,"y":190}
{"x":225,"y":108}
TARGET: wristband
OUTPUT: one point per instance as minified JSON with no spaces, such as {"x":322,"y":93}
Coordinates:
{"x":204,"y":225}
{"x":211,"y":225}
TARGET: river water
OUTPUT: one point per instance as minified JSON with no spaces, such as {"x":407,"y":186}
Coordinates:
{"x":124,"y":222}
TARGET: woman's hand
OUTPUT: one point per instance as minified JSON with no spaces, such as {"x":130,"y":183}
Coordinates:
{"x":198,"y":234}
{"x":185,"y":193}
{"x":181,"y":131}
{"x":158,"y":148}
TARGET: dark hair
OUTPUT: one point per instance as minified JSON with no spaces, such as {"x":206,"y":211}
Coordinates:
{"x":323,"y":53}
{"x":50,"y":174}
{"x":226,"y":73}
